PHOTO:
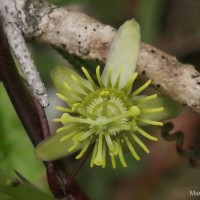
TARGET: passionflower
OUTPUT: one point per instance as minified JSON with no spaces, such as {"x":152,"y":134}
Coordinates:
{"x":105,"y":111}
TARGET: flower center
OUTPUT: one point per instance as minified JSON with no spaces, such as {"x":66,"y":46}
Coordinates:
{"x":102,"y":119}
{"x":105,"y":115}
{"x":108,"y":109}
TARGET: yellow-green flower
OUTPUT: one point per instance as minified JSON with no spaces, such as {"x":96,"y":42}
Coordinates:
{"x":105,"y":111}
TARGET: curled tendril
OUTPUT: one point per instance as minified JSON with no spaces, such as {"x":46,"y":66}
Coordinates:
{"x":192,"y":152}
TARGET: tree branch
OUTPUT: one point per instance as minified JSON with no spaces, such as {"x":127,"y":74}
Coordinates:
{"x":12,"y":27}
{"x":87,"y":38}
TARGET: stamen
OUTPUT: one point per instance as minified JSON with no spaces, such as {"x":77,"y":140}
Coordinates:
{"x":141,"y":144}
{"x":57,"y":120}
{"x":134,"y":111}
{"x":109,"y":84}
{"x":120,"y":153}
{"x":94,"y":154}
{"x":64,"y":98}
{"x":87,"y":134}
{"x":104,"y":155}
{"x":131,"y":148}
{"x":112,"y":156}
{"x":140,"y":89}
{"x":128,"y":87}
{"x":99,"y":157}
{"x":150,"y":122}
{"x":84,"y":149}
{"x":68,"y":136}
{"x":109,"y":142}
{"x":116,"y":85}
{"x":73,"y":91}
{"x":66,"y":128}
{"x":89,"y":78}
{"x":73,"y":147}
{"x":63,"y":109}
{"x":116,"y":148}
{"x":79,"y":83}
{"x":75,"y":106}
{"x":151,"y":110}
{"x":145,"y":99}
{"x":65,"y":118}
{"x":145,"y":134}
{"x":99,"y":77}
{"x":76,"y":137}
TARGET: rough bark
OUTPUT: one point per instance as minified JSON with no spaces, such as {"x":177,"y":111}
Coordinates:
{"x":87,"y":38}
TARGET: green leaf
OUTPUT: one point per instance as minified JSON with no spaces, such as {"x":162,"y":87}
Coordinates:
{"x":123,"y":54}
{"x":5,"y":197}
{"x":16,"y":149}
{"x":11,"y":188}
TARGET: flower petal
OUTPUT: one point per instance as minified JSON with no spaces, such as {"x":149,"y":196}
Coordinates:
{"x":61,"y":75}
{"x":54,"y":147}
{"x":123,"y":54}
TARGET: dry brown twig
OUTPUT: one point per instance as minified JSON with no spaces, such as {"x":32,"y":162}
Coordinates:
{"x":87,"y":38}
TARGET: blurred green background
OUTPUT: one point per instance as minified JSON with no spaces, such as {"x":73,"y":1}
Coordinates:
{"x":172,"y":26}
